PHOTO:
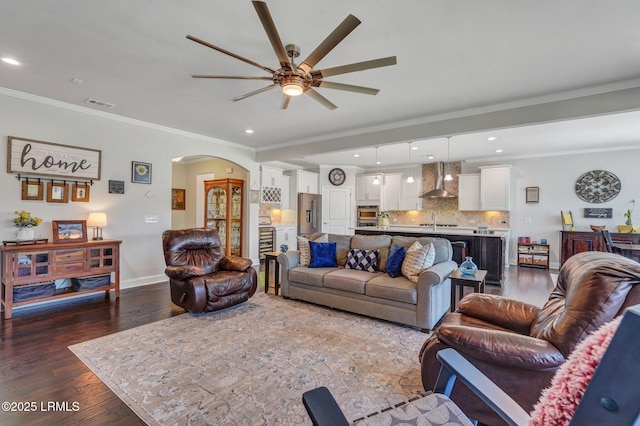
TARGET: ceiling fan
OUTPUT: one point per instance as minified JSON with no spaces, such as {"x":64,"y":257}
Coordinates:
{"x":301,"y":78}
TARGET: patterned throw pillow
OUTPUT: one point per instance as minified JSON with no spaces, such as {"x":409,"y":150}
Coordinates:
{"x":394,"y":261}
{"x":305,"y":251}
{"x":417,"y":259}
{"x":322,"y":255}
{"x":365,"y":260}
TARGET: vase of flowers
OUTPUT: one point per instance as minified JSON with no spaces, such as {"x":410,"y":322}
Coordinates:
{"x":25,"y":224}
{"x":629,"y":212}
{"x":383,"y":218}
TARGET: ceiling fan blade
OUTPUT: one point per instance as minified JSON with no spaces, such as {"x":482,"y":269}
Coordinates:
{"x":255,"y":92}
{"x":319,"y":98}
{"x":285,"y":101}
{"x":233,"y":55}
{"x":349,"y":24}
{"x":348,"y":87}
{"x":358,"y":66}
{"x":233,"y":77}
{"x":270,"y":27}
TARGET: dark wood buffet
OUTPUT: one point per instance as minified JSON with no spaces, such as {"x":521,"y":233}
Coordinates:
{"x":488,"y":252}
{"x":576,"y":242}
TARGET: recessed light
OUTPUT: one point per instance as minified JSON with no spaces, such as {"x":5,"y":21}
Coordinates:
{"x":356,"y":155}
{"x":378,"y":162}
{"x":249,"y":131}
{"x":415,"y":148}
{"x":10,"y":61}
{"x":498,"y":150}
{"x":491,"y":138}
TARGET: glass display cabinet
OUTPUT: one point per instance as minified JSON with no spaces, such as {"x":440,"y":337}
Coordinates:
{"x":223,"y":212}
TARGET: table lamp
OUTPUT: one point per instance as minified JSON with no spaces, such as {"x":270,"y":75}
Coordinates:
{"x":97,"y":221}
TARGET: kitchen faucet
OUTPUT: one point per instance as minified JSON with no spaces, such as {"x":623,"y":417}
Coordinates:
{"x":433,"y":220}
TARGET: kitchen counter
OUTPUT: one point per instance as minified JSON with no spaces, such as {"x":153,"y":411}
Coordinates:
{"x":442,"y":230}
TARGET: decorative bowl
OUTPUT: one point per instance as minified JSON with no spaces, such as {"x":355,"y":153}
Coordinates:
{"x":626,"y":229}
{"x":596,"y":228}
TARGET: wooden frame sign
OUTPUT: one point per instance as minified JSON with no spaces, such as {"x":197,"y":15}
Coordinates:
{"x":28,"y":156}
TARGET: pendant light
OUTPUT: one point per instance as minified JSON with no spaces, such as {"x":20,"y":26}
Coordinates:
{"x":376,"y":181}
{"x":410,"y":178}
{"x":448,"y":176}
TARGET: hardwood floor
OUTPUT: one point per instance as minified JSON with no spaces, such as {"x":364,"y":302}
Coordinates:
{"x":36,"y":365}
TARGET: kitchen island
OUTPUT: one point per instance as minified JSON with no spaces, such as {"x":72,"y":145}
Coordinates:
{"x":488,"y":248}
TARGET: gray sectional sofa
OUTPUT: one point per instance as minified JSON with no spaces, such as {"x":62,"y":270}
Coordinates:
{"x":374,"y":294}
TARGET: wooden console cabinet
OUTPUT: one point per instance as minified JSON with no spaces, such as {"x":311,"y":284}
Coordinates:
{"x":576,"y":242}
{"x":41,"y":264}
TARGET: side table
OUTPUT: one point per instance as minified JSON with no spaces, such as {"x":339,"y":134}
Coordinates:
{"x":459,"y":281}
{"x":268,"y":258}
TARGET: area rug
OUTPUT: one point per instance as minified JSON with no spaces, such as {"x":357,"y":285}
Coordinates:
{"x":250,"y":364}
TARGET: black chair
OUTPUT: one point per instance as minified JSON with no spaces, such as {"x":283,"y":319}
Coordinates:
{"x":611,"y":398}
{"x":608,"y":243}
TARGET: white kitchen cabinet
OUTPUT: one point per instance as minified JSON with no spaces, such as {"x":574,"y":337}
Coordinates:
{"x":469,"y":192}
{"x":285,"y":201}
{"x":366,"y":192}
{"x":304,"y":181}
{"x":495,"y":187}
{"x":410,"y":194}
{"x":487,"y":190}
{"x":286,"y":234}
{"x":391,"y":188}
{"x":271,"y":185}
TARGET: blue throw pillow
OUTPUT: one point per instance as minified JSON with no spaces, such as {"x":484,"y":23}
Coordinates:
{"x":394,"y":261}
{"x":322,"y":254}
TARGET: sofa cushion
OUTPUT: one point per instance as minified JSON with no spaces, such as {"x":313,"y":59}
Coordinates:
{"x":351,"y":280}
{"x":400,"y":289}
{"x":364,"y":260}
{"x":343,"y":244}
{"x":417,"y":259}
{"x":442,"y":246}
{"x":322,"y":254}
{"x":305,"y":251}
{"x":394,"y":261}
{"x":309,"y":276}
{"x":374,"y":242}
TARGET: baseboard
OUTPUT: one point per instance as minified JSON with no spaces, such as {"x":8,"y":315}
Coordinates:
{"x":140,"y":281}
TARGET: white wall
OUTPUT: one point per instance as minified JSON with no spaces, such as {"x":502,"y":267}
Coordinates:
{"x":556,"y":178}
{"x":121,"y":141}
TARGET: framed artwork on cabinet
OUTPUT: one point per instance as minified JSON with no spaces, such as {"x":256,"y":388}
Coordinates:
{"x":32,"y":190}
{"x":69,"y":231}
{"x":57,"y":192}
{"x":140,"y":172}
{"x":80,"y":192}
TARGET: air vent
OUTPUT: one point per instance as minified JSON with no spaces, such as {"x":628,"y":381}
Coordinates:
{"x":100,"y":103}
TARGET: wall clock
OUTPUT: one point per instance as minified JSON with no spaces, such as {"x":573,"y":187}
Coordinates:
{"x":337,"y":176}
{"x":598,"y":186}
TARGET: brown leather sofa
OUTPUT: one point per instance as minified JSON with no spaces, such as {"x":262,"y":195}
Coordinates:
{"x":520,"y":346}
{"x":201,"y":277}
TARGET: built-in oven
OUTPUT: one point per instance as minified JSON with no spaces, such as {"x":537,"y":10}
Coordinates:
{"x":367,"y":216}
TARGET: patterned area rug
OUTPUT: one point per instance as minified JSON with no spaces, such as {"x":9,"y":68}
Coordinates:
{"x":250,"y":364}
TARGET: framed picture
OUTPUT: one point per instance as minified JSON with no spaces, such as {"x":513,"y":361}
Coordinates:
{"x":533,"y":194}
{"x":57,"y":192}
{"x":80,"y":192}
{"x":32,"y":190}
{"x":140,"y":172}
{"x":254,"y":196}
{"x":116,"y":187}
{"x":69,"y":231}
{"x":178,"y":199}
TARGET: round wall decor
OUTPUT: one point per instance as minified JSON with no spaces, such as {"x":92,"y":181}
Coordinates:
{"x":337,"y":176}
{"x":598,"y":186}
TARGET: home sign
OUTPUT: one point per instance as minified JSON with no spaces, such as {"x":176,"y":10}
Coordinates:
{"x":33,"y":157}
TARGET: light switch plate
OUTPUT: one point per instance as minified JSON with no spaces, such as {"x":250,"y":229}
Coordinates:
{"x":151,"y":219}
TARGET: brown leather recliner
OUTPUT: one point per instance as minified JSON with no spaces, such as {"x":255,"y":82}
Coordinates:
{"x":520,"y":346}
{"x":201,"y":277}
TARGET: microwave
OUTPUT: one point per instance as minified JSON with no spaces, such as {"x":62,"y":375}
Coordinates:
{"x":367,"y":213}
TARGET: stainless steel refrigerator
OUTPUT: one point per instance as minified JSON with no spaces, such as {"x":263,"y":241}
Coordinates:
{"x":309,"y":214}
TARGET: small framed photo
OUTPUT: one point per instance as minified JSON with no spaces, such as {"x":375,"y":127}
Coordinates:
{"x":32,"y":190}
{"x":80,"y":192}
{"x":533,"y":194}
{"x":140,"y":172}
{"x":57,"y":192}
{"x":116,"y":187}
{"x":178,"y":199}
{"x":69,"y":231}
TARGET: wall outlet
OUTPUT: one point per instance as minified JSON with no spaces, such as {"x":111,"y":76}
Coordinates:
{"x":472,"y":221}
{"x":527,"y":220}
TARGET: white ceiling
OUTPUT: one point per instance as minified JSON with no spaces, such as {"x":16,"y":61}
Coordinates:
{"x":469,"y":69}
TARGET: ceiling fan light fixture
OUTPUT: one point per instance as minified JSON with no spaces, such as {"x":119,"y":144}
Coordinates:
{"x":292,"y":89}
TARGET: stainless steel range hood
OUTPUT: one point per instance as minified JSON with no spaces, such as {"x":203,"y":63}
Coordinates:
{"x":439,"y":191}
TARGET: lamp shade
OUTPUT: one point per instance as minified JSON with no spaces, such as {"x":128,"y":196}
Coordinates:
{"x":97,"y":219}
